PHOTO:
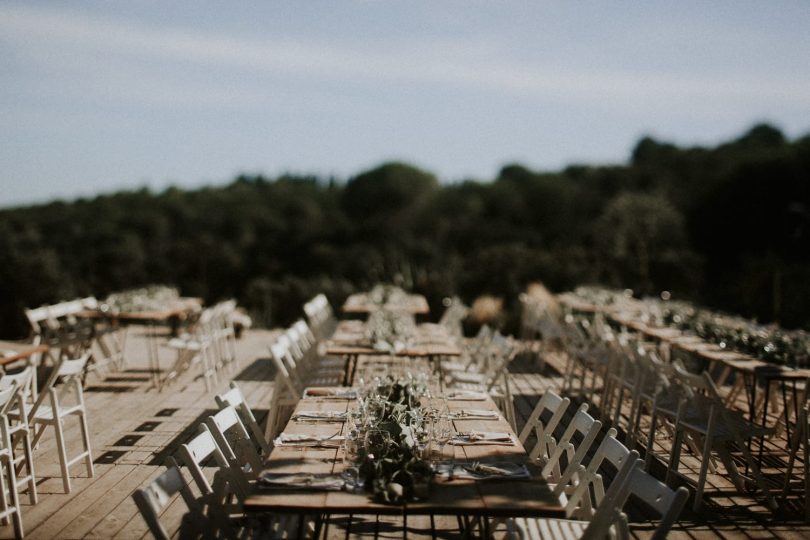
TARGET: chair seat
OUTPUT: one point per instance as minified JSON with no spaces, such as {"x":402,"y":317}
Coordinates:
{"x":727,"y":427}
{"x":45,"y":412}
{"x":454,"y":365}
{"x":562,"y":529}
{"x":186,"y":344}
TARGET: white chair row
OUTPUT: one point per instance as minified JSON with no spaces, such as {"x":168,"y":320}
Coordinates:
{"x":485,"y":368}
{"x":24,"y":420}
{"x":233,"y":440}
{"x":298,"y":365}
{"x":641,"y":394}
{"x":320,"y":316}
{"x":209,"y":344}
{"x":593,"y":505}
{"x":62,"y":327}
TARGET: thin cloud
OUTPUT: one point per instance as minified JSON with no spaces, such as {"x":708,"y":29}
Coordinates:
{"x":29,"y":28}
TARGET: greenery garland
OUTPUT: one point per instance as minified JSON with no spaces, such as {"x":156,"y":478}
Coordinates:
{"x":390,"y":459}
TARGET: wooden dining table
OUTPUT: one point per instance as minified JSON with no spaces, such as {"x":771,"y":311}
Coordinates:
{"x":430,"y":341}
{"x":526,"y":497}
{"x":415,"y":304}
{"x":14,"y":351}
{"x":171,"y":313}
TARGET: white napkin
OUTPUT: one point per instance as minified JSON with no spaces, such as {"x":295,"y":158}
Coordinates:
{"x":302,"y":481}
{"x":477,"y":438}
{"x":475,"y":414}
{"x":454,"y":365}
{"x":320,"y":416}
{"x":9,"y":352}
{"x":468,"y":377}
{"x":484,"y":471}
{"x":466,"y":395}
{"x":302,"y":439}
{"x":330,"y":393}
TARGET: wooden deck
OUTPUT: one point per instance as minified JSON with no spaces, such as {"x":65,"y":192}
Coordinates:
{"x":133,"y":428}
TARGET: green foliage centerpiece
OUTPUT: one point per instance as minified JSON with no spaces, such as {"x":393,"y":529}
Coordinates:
{"x":392,"y":437}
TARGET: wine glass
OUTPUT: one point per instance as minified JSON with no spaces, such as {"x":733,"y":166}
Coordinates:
{"x":442,"y":432}
{"x":351,"y":470}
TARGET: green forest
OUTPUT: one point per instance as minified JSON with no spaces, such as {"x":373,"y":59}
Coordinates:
{"x":727,"y":227}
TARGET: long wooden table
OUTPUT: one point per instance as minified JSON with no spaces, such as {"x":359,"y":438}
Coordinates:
{"x":171,"y":314}
{"x":430,"y":341}
{"x":13,"y":351}
{"x":491,"y":498}
{"x":415,"y":304}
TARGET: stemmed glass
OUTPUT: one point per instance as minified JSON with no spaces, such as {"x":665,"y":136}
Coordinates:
{"x":351,"y":455}
{"x":441,"y":433}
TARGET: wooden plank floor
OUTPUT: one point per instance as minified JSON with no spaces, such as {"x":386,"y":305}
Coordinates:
{"x":134,"y":427}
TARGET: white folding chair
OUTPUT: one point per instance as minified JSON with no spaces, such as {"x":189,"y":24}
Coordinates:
{"x":196,"y":348}
{"x":234,"y":398}
{"x":152,"y":499}
{"x":705,"y":417}
{"x":590,"y":491}
{"x":234,"y":442}
{"x":65,"y":398}
{"x":598,"y":527}
{"x":19,"y":429}
{"x":552,"y":406}
{"x":8,"y":477}
{"x":199,"y":449}
{"x":586,"y":428}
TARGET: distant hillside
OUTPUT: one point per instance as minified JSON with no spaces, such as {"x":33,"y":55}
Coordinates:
{"x":727,"y":226}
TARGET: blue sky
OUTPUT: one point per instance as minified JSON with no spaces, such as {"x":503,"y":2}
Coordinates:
{"x":101,"y":96}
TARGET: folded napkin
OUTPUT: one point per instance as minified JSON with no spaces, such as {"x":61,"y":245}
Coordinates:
{"x":302,"y":481}
{"x":483,"y":471}
{"x":331,"y":393}
{"x":320,"y":416}
{"x":315,"y":441}
{"x":466,"y":395}
{"x":468,"y":377}
{"x":477,"y":438}
{"x":453,"y":365}
{"x":475,"y":414}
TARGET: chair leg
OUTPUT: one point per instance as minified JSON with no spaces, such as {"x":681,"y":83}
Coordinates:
{"x":760,"y":480}
{"x":806,"y":455}
{"x":88,"y":459}
{"x":3,"y":499}
{"x":62,"y":450}
{"x":16,"y":518}
{"x":675,"y":456}
{"x":26,"y":461}
{"x":704,"y":468}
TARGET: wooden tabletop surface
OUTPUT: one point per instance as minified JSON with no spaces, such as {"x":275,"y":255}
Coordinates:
{"x":415,"y":304}
{"x":429,"y":340}
{"x":181,"y":308}
{"x":11,"y":351}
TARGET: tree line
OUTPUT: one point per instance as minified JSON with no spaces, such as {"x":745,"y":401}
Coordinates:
{"x":726,"y":226}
